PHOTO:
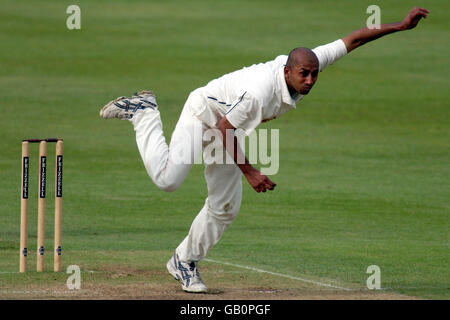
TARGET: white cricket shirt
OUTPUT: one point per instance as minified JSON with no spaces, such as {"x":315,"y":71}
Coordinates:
{"x":256,"y":93}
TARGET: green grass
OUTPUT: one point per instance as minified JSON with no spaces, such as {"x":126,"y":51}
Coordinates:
{"x":364,"y":159}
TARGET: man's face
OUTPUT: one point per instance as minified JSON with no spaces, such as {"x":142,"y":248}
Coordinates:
{"x":301,"y":77}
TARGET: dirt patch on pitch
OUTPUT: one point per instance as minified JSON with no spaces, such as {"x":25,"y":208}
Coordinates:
{"x":120,"y":282}
{"x":174,"y":292}
{"x":124,"y":283}
{"x":148,"y":291}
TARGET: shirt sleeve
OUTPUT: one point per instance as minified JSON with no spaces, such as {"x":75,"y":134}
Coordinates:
{"x":245,"y":114}
{"x":329,"y":53}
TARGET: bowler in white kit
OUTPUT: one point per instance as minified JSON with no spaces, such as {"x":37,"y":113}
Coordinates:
{"x":239,"y":100}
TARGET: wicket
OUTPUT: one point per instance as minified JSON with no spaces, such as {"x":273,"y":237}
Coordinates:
{"x":41,"y":203}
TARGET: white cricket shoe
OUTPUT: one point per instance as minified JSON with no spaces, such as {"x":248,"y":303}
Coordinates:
{"x":125,"y":108}
{"x":187,"y":274}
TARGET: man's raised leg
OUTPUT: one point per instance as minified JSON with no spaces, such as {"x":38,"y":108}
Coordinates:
{"x":167,"y":165}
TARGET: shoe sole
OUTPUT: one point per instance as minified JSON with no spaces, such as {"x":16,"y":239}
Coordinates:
{"x":175,"y":275}
{"x":109,"y":104}
{"x":148,"y":92}
{"x":103,"y":109}
{"x":138,"y":94}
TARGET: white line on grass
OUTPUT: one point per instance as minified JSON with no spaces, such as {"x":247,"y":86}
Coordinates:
{"x":279,"y":274}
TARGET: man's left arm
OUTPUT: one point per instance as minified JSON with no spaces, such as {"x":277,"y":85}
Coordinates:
{"x":365,"y":35}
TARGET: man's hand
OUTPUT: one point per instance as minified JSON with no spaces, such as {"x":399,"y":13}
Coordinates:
{"x":258,"y":181}
{"x":413,"y":18}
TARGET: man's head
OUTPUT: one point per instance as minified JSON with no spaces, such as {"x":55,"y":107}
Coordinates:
{"x":301,"y":70}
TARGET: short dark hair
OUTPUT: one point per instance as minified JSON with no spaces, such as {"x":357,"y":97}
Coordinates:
{"x":296,"y":53}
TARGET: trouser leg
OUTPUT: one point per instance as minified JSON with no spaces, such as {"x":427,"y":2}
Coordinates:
{"x":168,"y":165}
{"x":220,"y":209}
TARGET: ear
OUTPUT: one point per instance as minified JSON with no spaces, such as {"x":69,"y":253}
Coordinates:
{"x":287,"y":71}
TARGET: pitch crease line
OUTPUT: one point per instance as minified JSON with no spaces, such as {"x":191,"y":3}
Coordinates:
{"x":279,"y":274}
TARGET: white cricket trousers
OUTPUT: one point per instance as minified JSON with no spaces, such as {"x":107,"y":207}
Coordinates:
{"x":168,"y":166}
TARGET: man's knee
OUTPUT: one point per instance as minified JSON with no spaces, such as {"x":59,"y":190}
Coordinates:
{"x":225,"y":213}
{"x":168,"y":186}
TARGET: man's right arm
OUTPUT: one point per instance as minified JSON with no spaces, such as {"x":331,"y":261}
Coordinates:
{"x":255,"y":178}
